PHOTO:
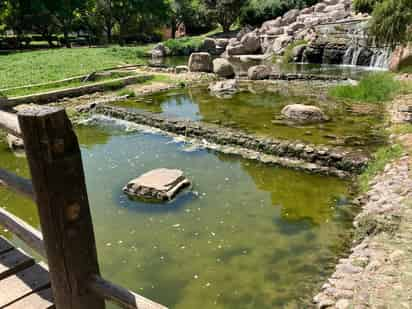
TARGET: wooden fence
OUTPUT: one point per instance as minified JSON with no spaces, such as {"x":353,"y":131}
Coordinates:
{"x":58,"y":188}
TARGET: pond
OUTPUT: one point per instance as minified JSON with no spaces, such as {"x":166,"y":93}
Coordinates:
{"x":248,"y":235}
{"x":257,"y":110}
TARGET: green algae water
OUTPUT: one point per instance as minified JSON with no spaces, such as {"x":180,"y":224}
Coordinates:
{"x":257,"y":110}
{"x":248,"y":235}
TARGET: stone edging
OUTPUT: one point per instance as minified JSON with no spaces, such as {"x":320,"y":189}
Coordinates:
{"x":359,"y":278}
{"x":52,"y":96}
{"x":339,"y":158}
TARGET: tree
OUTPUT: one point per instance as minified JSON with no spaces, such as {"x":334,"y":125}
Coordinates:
{"x":65,"y":12}
{"x":365,"y":6}
{"x":225,"y":11}
{"x":104,"y":10}
{"x":392,"y":22}
{"x":129,"y":13}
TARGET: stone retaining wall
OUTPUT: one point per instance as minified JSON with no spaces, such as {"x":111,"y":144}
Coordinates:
{"x":344,"y":159}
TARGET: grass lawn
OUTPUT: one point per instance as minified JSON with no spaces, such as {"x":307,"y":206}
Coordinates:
{"x":35,"y":67}
{"x":24,"y":68}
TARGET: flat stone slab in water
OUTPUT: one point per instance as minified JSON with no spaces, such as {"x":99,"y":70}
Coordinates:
{"x":159,"y":184}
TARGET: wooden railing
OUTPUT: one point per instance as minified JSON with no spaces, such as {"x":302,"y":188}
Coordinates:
{"x":58,"y":188}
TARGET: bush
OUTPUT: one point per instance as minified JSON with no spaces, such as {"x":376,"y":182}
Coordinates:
{"x":378,"y":87}
{"x":183,"y":46}
{"x":258,"y":11}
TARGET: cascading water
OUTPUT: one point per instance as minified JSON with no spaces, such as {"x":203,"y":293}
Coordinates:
{"x":362,"y":52}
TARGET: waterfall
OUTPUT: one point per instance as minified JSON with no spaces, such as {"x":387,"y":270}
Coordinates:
{"x":371,"y":57}
{"x":380,"y":58}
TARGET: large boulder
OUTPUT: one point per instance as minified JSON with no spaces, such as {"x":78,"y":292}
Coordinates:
{"x":251,"y":42}
{"x":259,"y":72}
{"x":159,"y":185}
{"x":307,"y":11}
{"x":303,"y":113}
{"x":294,"y":27}
{"x":223,"y":89}
{"x":200,"y":62}
{"x":290,"y":17}
{"x":402,"y":56}
{"x":235,"y":49}
{"x":223,"y":68}
{"x":160,"y":51}
{"x":320,"y":7}
{"x":274,"y":23}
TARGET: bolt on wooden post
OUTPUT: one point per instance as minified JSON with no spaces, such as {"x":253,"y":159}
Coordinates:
{"x":56,"y":168}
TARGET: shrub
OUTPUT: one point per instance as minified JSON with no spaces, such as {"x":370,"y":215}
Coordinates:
{"x":378,"y":87}
{"x":183,"y":46}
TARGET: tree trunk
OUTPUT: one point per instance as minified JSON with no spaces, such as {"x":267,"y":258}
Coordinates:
{"x":173,"y":28}
{"x":66,"y":37}
{"x":109,"y":33}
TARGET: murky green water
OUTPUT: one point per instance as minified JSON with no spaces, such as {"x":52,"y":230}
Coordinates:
{"x":256,"y":111}
{"x":253,"y":236}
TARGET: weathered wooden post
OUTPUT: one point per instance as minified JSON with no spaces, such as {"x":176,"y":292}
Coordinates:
{"x":60,"y":192}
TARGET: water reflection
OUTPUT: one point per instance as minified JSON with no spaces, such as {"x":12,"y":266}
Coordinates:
{"x":255,"y":236}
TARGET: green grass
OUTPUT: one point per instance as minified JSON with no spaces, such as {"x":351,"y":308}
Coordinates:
{"x":373,"y":88}
{"x":25,"y":68}
{"x":382,"y":157}
{"x":400,"y":129}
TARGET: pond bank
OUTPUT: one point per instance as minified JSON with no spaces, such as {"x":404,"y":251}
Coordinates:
{"x":378,"y":272}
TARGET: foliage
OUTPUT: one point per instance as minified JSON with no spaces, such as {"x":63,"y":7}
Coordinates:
{"x":375,"y":88}
{"x":391,"y":22}
{"x":364,"y":6}
{"x":288,"y":54}
{"x":258,"y":11}
{"x":183,"y":46}
{"x":382,"y":157}
{"x":226,"y":12}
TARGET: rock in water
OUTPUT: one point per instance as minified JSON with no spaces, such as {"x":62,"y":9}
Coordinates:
{"x":303,"y":113}
{"x":159,"y":185}
{"x":259,"y":72}
{"x":160,"y":51}
{"x":200,"y":62}
{"x":223,"y":68}
{"x":224,"y":89}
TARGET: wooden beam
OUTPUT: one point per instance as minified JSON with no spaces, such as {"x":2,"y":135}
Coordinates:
{"x":32,"y":237}
{"x":121,"y":296}
{"x":9,"y":123}
{"x":56,"y":168}
{"x":17,"y":184}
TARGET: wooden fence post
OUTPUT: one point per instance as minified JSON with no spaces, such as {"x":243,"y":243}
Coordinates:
{"x":58,"y":180}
